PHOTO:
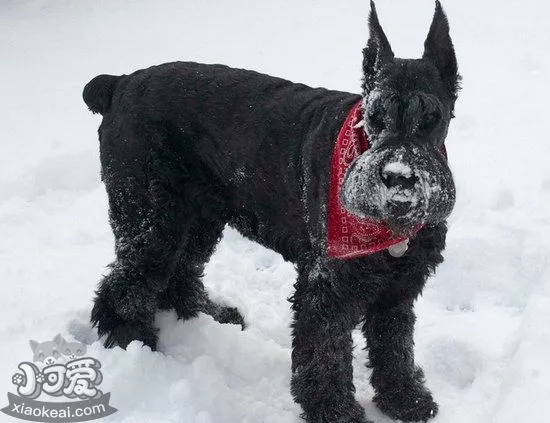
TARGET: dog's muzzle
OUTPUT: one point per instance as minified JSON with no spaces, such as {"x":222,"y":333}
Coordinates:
{"x":405,"y":186}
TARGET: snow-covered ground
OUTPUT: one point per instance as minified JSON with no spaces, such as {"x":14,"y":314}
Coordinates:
{"x":483,"y":333}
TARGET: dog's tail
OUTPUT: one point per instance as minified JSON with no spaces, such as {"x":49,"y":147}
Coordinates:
{"x":98,"y":93}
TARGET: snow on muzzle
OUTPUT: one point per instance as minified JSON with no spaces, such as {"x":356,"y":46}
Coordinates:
{"x":403,"y":186}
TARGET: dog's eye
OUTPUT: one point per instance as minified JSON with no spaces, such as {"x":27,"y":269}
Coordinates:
{"x":430,"y":121}
{"x":376,"y":119}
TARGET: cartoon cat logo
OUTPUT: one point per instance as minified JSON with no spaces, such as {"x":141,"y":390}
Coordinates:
{"x":47,"y":352}
{"x":57,"y":350}
{"x":59,"y":371}
{"x":72,"y":350}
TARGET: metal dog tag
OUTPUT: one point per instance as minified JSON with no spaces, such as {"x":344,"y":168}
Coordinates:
{"x":398,"y":250}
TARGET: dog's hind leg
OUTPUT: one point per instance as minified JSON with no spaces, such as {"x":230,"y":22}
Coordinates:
{"x":150,"y":224}
{"x":185,"y":292}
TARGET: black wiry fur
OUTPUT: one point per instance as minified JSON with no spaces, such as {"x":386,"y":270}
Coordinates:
{"x":187,"y":148}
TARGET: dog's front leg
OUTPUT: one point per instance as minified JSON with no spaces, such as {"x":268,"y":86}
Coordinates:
{"x":322,"y":373}
{"x":399,"y":384}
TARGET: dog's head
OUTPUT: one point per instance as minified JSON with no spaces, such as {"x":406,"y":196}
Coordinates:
{"x":403,"y":179}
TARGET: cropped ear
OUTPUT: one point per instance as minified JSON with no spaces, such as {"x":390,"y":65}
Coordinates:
{"x":378,"y":51}
{"x":438,"y":48}
{"x":33,"y":345}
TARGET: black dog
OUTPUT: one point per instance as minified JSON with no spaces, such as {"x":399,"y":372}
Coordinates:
{"x":187,"y":148}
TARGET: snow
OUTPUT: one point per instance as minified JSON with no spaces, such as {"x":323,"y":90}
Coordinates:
{"x":368,"y":190}
{"x":398,"y":194}
{"x":397,"y":168}
{"x":483,"y":331}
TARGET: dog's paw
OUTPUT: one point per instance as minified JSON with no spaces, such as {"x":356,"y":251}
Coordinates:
{"x":230,"y":315}
{"x":117,"y":331}
{"x":409,"y":404}
{"x":126,"y":332}
{"x":337,"y":413}
{"x":223,"y":314}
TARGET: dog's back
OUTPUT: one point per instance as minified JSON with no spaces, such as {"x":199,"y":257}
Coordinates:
{"x":236,"y":130}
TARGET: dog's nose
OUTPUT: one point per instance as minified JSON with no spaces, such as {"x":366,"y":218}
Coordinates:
{"x":397,"y":178}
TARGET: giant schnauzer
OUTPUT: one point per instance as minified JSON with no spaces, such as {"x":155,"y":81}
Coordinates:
{"x":353,"y":189}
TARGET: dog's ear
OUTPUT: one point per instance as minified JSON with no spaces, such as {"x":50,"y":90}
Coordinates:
{"x":378,"y":51}
{"x":439,"y":48}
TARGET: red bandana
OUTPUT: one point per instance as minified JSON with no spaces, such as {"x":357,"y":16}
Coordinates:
{"x":348,"y":235}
